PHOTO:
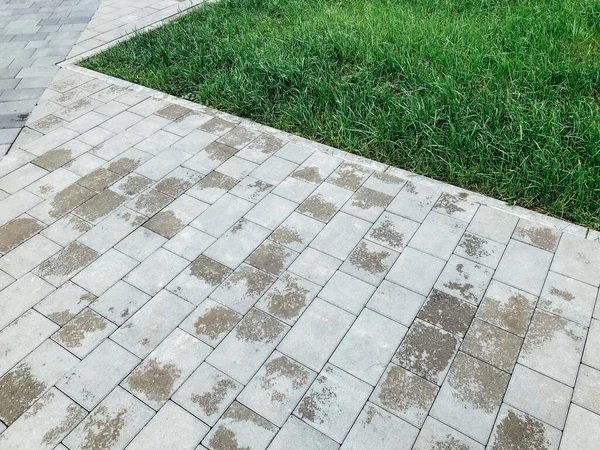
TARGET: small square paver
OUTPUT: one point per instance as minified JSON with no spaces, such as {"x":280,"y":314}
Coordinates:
{"x":368,"y":346}
{"x":207,"y":393}
{"x":438,"y":235}
{"x":288,"y":297}
{"x":316,"y":335}
{"x":333,"y":402}
{"x":507,"y":307}
{"x":427,"y":351}
{"x":464,"y":279}
{"x":297,"y":231}
{"x":315,"y":266}
{"x":540,"y":396}
{"x":435,"y":434}
{"x":416,"y":271}
{"x":447,"y":312}
{"x":323,"y":203}
{"x":272,"y":257}
{"x":242,"y":427}
{"x":553,"y":346}
{"x":277,"y":388}
{"x":166,"y":368}
{"x":347,"y":292}
{"x":586,"y":389}
{"x":568,"y":298}
{"x":248,"y":345}
{"x":524,"y":267}
{"x":156,"y":271}
{"x":493,"y":224}
{"x":303,"y":436}
{"x":405,"y":394}
{"x":414,"y":201}
{"x":470,"y":397}
{"x":368,"y":204}
{"x":536,"y":234}
{"x":369,"y":262}
{"x":492,"y":345}
{"x":392,"y":231}
{"x":376,"y":428}
{"x":84,"y":332}
{"x":395,"y":302}
{"x":458,"y":206}
{"x":198,"y":280}
{"x":480,"y":250}
{"x":210,"y":322}
{"x":582,"y":429}
{"x":341,"y":235}
{"x":242,"y":289}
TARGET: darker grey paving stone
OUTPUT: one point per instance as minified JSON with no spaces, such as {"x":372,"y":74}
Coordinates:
{"x":447,"y":312}
{"x":21,"y":94}
{"x":13,"y":120}
{"x":436,"y":435}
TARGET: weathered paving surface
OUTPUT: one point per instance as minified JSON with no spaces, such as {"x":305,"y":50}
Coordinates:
{"x":174,"y":277}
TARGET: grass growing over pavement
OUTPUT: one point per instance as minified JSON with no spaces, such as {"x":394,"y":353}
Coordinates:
{"x":498,"y":96}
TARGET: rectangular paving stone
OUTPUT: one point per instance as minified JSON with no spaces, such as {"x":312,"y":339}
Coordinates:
{"x":178,"y":181}
{"x":212,"y":187}
{"x":198,"y":280}
{"x":241,"y":290}
{"x":385,"y":182}
{"x":480,"y":250}
{"x":97,"y":374}
{"x":271,"y":211}
{"x":524,"y":267}
{"x":141,"y":243}
{"x":84,"y":332}
{"x":458,"y":206}
{"x":586,"y":394}
{"x":581,"y":430}
{"x":464,"y":279}
{"x":186,"y":124}
{"x":38,"y":372}
{"x":438,"y":235}
{"x":471,"y":397}
{"x":152,"y":323}
{"x":112,"y":229}
{"x":392,"y":231}
{"x":315,"y":266}
{"x":277,"y":388}
{"x":541,"y":397}
{"x":316,"y":334}
{"x":242,"y":427}
{"x":447,"y":312}
{"x":591,"y":357}
{"x":297,"y":231}
{"x":98,"y":179}
{"x":251,"y":189}
{"x":248,"y":345}
{"x":221,"y":215}
{"x":578,"y":258}
{"x":52,"y":418}
{"x":207,"y":393}
{"x":237,"y":168}
{"x":65,"y":303}
{"x":294,"y":189}
{"x":316,"y":168}
{"x":131,"y":185}
{"x":206,"y":157}
{"x":274,"y":170}
{"x":368,"y":346}
{"x":120,"y":302}
{"x":12,"y":345}
{"x":368,"y":204}
{"x":159,"y":166}
{"x":553,"y":346}
{"x":67,"y":263}
{"x":416,"y":271}
{"x":158,"y":141}
{"x":395,"y":302}
{"x":369,"y":262}
{"x":568,"y":298}
{"x":414,"y":201}
{"x":171,"y":427}
{"x":210,"y":322}
{"x":333,"y":402}
{"x":16,"y":204}
{"x":349,"y":176}
{"x":113,"y":423}
{"x":239,"y":137}
{"x":52,"y":183}
{"x":238,"y":243}
{"x":100,"y":206}
{"x":17,"y":231}
{"x":21,"y":177}
{"x":435,"y":433}
{"x":261,"y":148}
{"x":324,"y":202}
{"x":105,"y":272}
{"x":156,"y":271}
{"x":189,"y":243}
{"x":493,"y":224}
{"x":149,"y":202}
{"x":347,"y":292}
{"x":303,"y":435}
{"x":22,"y":295}
{"x":537,"y":235}
{"x":28,"y":255}
{"x":175,"y":216}
{"x":166,"y":368}
{"x":340,"y":235}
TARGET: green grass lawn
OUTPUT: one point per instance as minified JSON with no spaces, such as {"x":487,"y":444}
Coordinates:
{"x":498,"y":96}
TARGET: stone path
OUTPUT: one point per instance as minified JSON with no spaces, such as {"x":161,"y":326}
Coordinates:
{"x":175,"y":277}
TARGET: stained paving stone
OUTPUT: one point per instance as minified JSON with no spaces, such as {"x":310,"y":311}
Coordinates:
{"x":349,"y":176}
{"x":31,"y":378}
{"x":341,"y":235}
{"x":392,"y":231}
{"x":99,"y":179}
{"x":178,"y":181}
{"x":239,"y":137}
{"x":66,"y":230}
{"x":176,"y":216}
{"x":252,"y":189}
{"x":140,"y":244}
{"x":84,"y":332}
{"x":208,"y":159}
{"x":464,"y":279}
{"x":376,"y":427}
{"x":553,"y":346}
{"x":537,"y":235}
{"x":166,"y":368}
{"x":447,"y":312}
{"x":113,"y":423}
{"x":458,"y":206}
{"x":277,"y":388}
{"x":149,"y":202}
{"x":297,"y":231}
{"x":480,"y":250}
{"x":131,"y":185}
{"x":385,"y":182}
{"x":66,"y":263}
{"x":217,"y":126}
{"x":28,"y":255}
{"x":119,"y":302}
{"x":416,"y":271}
{"x":52,"y":183}
{"x":104,"y":272}
{"x":54,"y":159}
{"x":568,"y":298}
{"x":368,"y":346}
{"x":261,"y":148}
{"x":288,"y":297}
{"x":240,"y":427}
{"x":303,"y":435}
{"x":99,"y":206}
{"x":438,"y":235}
{"x":16,"y":204}
{"x":369,"y":262}
{"x":271,"y":211}
{"x":524,"y":267}
{"x":316,"y":334}
{"x":199,"y":279}
{"x":427,"y":351}
{"x":207,"y":393}
{"x":470,"y":397}
{"x":324,"y":202}
{"x":65,"y":303}
{"x":222,"y":215}
{"x":53,"y":416}
{"x":210,"y":322}
{"x":493,"y":224}
{"x":189,"y":243}
{"x":507,"y":307}
{"x":368,"y":204}
{"x":17,"y":231}
{"x":163,"y":163}
{"x":581,"y":430}
{"x":333,"y":402}
{"x":272,"y":257}
{"x":586,"y":394}
{"x":414,"y":201}
{"x":539,"y":396}
{"x":316,"y":168}
{"x":347,"y":292}
{"x":92,"y":379}
{"x":514,"y":429}
{"x":295,"y":152}
{"x":256,"y":335}
{"x":315,"y":266}
{"x":212,"y":187}
{"x":436,"y":435}
{"x":21,"y":295}
{"x":492,"y":345}
{"x":242,"y":289}
{"x":156,"y":271}
{"x":152,"y":323}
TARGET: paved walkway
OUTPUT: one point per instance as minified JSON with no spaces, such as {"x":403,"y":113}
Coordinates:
{"x":175,"y":278}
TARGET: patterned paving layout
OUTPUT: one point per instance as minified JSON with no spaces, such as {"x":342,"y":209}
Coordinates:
{"x":177,"y":278}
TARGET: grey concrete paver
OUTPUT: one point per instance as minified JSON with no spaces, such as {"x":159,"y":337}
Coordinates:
{"x":303,"y":435}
